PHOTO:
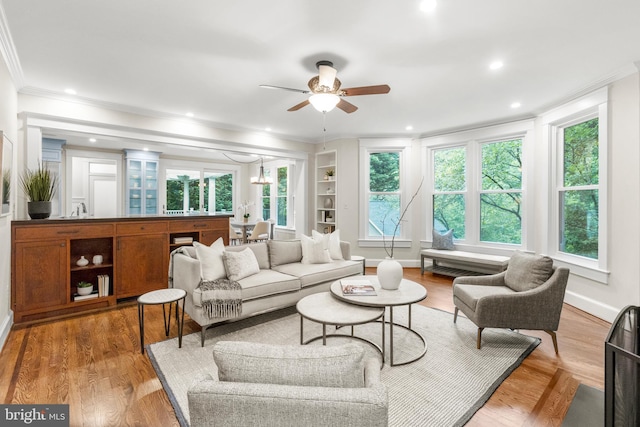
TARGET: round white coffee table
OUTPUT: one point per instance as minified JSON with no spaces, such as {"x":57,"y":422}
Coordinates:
{"x":408,"y":293}
{"x":325,"y":309}
{"x":162,"y":296}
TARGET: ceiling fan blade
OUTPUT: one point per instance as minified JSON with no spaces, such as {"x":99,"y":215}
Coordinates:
{"x":347,"y":107}
{"x":299,"y":106}
{"x":366,"y":90}
{"x":284,"y":88}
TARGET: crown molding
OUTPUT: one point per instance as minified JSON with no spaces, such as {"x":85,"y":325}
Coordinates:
{"x":9,"y":52}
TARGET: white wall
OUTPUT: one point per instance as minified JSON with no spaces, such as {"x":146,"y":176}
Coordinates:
{"x":8,"y":125}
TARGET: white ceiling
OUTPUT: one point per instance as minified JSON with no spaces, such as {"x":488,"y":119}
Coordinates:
{"x":208,"y":57}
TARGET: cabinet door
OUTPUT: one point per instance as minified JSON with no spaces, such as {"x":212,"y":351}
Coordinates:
{"x":142,"y":264}
{"x":41,"y":275}
{"x":210,"y":236}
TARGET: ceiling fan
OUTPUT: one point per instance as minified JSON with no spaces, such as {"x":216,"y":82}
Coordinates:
{"x":326,"y":92}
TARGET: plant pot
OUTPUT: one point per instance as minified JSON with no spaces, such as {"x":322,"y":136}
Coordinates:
{"x":245,"y":220}
{"x":389,"y":273}
{"x":39,"y":210}
{"x":85,"y":291}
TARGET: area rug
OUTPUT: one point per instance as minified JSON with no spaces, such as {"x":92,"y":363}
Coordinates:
{"x":586,"y":409}
{"x":444,"y":388}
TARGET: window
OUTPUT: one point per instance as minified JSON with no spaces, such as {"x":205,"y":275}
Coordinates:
{"x":578,"y":192}
{"x":384,"y":194}
{"x":266,"y":198}
{"x":276,"y":200}
{"x":384,"y":179}
{"x":282,"y":200}
{"x":501,"y":192}
{"x":449,"y":189}
{"x":196,"y":190}
{"x":477,"y":184}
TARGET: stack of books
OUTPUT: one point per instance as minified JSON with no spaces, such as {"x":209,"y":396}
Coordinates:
{"x":103,"y":285}
{"x":182,"y":240}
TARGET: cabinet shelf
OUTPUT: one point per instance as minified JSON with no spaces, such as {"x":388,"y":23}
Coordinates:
{"x":326,"y":189}
{"x":90,"y":267}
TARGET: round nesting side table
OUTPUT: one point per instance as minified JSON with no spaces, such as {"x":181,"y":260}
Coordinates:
{"x":162,"y":296}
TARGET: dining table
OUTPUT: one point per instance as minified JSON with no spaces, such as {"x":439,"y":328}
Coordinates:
{"x":245,"y":227}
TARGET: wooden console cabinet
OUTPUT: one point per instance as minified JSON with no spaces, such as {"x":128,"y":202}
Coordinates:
{"x":135,"y":252}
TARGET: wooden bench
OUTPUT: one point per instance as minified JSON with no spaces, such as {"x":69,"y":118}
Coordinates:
{"x":461,"y":263}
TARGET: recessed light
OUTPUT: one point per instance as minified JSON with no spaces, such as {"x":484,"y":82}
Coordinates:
{"x":408,"y":127}
{"x":268,"y":129}
{"x":92,"y":140}
{"x":189,"y":114}
{"x":496,"y":65}
{"x":515,"y":105}
{"x":70,"y":91}
{"x":145,"y":149}
{"x":428,"y":5}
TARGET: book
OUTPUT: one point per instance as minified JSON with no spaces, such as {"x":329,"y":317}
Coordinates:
{"x":357,"y":287}
{"x":103,"y":285}
{"x":182,"y":240}
{"x":77,"y":297}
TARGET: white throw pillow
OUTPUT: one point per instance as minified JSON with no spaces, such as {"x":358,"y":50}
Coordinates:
{"x":210,"y":257}
{"x":241,"y":264}
{"x":332,"y":242}
{"x":314,"y":251}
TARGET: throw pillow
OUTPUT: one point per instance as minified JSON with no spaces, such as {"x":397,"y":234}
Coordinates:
{"x":311,"y":366}
{"x":443,"y":241}
{"x":240,"y":264}
{"x":332,"y":242}
{"x":314,"y":251}
{"x":284,"y":252}
{"x":260,"y":250}
{"x":527,"y":271}
{"x":210,"y":257}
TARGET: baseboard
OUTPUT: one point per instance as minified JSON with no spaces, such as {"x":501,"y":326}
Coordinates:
{"x":591,"y":306}
{"x":409,"y":263}
{"x":5,"y":329}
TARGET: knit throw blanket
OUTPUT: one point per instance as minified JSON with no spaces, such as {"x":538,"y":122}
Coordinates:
{"x":221,"y":298}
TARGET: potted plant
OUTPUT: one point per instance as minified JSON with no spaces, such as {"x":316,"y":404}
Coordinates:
{"x":85,"y":288}
{"x":329,"y":174}
{"x":40,"y":186}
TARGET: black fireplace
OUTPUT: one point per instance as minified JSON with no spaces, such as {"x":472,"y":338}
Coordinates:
{"x":622,"y":370}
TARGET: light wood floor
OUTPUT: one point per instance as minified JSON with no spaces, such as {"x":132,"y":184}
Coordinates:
{"x":93,"y":363}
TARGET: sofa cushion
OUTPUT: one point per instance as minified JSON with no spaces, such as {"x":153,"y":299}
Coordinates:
{"x":313,"y":274}
{"x":210,"y":257}
{"x":527,"y":271}
{"x":470,"y":294}
{"x":311,"y":366}
{"x":284,"y":252}
{"x":260,"y":250}
{"x":263,"y":284}
{"x":332,"y":243}
{"x":240,"y":264}
{"x":314,"y":251}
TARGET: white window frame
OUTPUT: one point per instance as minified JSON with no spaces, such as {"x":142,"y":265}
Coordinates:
{"x":586,"y":108}
{"x":473,"y":140}
{"x":273,"y":167}
{"x":368,"y":147}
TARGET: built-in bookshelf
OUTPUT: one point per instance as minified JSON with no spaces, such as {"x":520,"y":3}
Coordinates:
{"x":326,"y":191}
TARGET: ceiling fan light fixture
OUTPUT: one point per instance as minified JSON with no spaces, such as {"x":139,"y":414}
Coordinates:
{"x":327,"y":75}
{"x":324,"y":102}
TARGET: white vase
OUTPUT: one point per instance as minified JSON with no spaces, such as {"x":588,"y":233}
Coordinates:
{"x":389,"y":274}
{"x":82,"y":261}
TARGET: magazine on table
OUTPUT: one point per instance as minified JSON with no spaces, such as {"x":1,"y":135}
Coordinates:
{"x":357,"y":287}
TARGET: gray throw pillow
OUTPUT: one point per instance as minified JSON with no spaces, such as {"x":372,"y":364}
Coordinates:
{"x":284,"y":252}
{"x":527,"y":271}
{"x":311,"y":366}
{"x":240,"y":264}
{"x":443,"y":241}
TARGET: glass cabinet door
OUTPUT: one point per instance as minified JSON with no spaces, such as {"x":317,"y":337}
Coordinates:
{"x":151,"y":187}
{"x":142,"y":183}
{"x":135,"y":186}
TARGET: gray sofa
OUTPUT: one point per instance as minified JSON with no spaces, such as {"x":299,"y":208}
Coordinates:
{"x":281,"y":282}
{"x":269,"y":385}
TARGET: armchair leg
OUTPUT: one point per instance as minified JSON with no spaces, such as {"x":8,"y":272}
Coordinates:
{"x":554,"y":338}
{"x":479,"y":338}
{"x":455,"y":315}
{"x":202,"y":331}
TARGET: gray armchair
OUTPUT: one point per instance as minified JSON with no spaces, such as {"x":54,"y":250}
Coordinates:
{"x":268,"y":385}
{"x":528,"y":295}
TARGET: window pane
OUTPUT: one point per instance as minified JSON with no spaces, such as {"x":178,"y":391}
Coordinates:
{"x":384,"y":212}
{"x":448,"y":213}
{"x":266,"y":198}
{"x":384,"y":172}
{"x":282,"y":196}
{"x":500,"y":219}
{"x":579,"y":223}
{"x":183,"y":191}
{"x":502,"y":165}
{"x":581,"y":154}
{"x":449,"y":169}
{"x":218,"y":192}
